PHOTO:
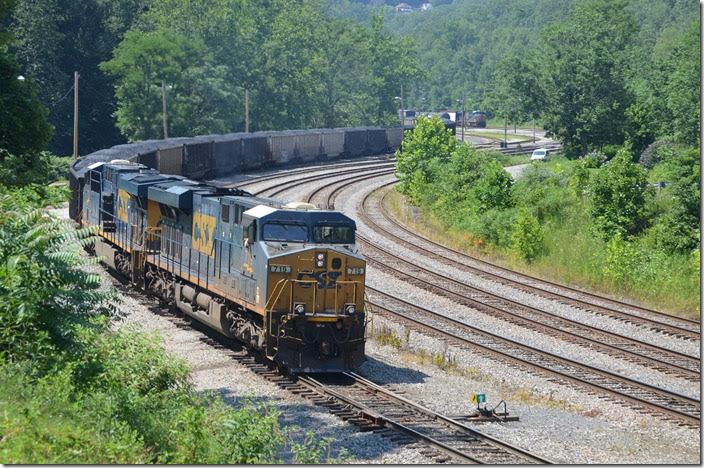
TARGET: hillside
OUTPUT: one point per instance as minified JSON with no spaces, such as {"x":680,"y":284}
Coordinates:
{"x":460,"y":42}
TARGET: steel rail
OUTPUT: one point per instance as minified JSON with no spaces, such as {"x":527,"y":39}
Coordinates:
{"x":689,"y":415}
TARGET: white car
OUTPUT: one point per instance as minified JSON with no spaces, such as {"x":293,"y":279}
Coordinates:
{"x":541,"y":154}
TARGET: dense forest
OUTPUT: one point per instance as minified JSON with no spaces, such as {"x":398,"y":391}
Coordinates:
{"x":301,"y":68}
{"x":525,"y":59}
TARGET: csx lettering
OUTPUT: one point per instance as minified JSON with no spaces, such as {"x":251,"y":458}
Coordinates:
{"x":325,"y":279}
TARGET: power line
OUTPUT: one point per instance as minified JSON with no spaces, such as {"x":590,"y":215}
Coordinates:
{"x":61,"y":98}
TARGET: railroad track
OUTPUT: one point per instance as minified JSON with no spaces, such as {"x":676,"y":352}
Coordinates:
{"x":654,"y":320}
{"x":613,"y":344}
{"x":288,"y":172}
{"x":644,"y":398}
{"x":362,"y":403}
{"x":640,"y":396}
{"x":380,"y":169}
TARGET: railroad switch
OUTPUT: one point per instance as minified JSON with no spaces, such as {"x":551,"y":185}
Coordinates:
{"x":484,"y":414}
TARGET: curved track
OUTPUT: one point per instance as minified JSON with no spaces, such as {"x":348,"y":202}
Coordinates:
{"x":655,"y":320}
{"x":642,"y":397}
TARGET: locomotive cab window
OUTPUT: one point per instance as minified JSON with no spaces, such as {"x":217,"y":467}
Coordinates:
{"x":285,"y":232}
{"x":333,"y":234}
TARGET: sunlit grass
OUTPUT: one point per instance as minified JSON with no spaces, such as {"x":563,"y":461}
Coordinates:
{"x":574,"y":256}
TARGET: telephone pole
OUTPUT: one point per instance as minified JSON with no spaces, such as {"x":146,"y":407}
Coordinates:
{"x":75,"y":114}
{"x":163,"y":108}
{"x":246,"y":110}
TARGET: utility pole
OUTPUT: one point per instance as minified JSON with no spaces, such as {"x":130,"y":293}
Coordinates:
{"x":403,"y":114}
{"x":163,"y":109}
{"x":505,"y":132}
{"x":246,"y":110}
{"x":75,"y":114}
{"x":533,"y":127}
{"x":464,"y":99}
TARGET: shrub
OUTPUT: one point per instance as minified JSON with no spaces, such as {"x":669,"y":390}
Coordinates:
{"x":492,"y":226}
{"x":579,"y":178}
{"x":527,"y":236}
{"x":619,"y":194}
{"x":622,"y":261}
{"x":594,"y":159}
{"x":42,"y":423}
{"x":429,"y":141}
{"x":610,"y":151}
{"x":37,"y":168}
{"x":47,"y":298}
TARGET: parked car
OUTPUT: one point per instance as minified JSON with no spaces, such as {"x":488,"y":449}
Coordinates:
{"x":540,"y":154}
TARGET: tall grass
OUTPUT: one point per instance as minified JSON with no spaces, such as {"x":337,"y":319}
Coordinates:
{"x":574,"y":255}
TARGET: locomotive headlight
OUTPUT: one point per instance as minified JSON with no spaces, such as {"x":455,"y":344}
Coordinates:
{"x":320,"y":263}
{"x":350,"y":309}
{"x":321,"y":256}
{"x":299,"y":308}
{"x":320,"y":260}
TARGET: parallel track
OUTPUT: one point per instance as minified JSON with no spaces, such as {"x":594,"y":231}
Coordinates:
{"x":658,"y":321}
{"x":643,"y":397}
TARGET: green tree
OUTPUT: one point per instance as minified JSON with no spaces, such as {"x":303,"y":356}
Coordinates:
{"x":198,"y":100}
{"x":586,"y":92}
{"x":681,"y":90}
{"x":429,"y":143}
{"x":517,"y":92}
{"x":56,"y":38}
{"x":393,"y":68}
{"x":619,"y":194}
{"x":474,"y":178}
{"x":24,"y":128}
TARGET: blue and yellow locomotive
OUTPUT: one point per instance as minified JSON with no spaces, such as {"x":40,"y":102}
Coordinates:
{"x":285,"y":279}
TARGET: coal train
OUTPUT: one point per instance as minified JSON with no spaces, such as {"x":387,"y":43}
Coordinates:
{"x":285,"y":279}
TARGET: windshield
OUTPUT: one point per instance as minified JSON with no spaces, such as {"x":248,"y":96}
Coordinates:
{"x":539,"y":153}
{"x":333,"y":234}
{"x":285,"y":232}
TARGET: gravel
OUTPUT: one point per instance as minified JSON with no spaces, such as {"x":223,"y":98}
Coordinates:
{"x":482,"y":321}
{"x":557,"y":422}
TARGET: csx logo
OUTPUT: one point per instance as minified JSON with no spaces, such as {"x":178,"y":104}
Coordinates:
{"x":325,"y":279}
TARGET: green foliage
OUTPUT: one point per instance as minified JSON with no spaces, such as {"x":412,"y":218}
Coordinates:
{"x":548,"y":216}
{"x":476,"y":178}
{"x":579,"y":177}
{"x":586,"y":89}
{"x":76,"y":390}
{"x":32,"y":168}
{"x":527,"y":236}
{"x":23,"y":119}
{"x":317,"y":450}
{"x":41,"y":423}
{"x":622,"y":260}
{"x":56,"y":38}
{"x":619,"y":195}
{"x":429,"y":142}
{"x":677,"y":229}
{"x":47,"y":298}
{"x":198,"y":102}
{"x":517,"y":94}
{"x":650,"y":156}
